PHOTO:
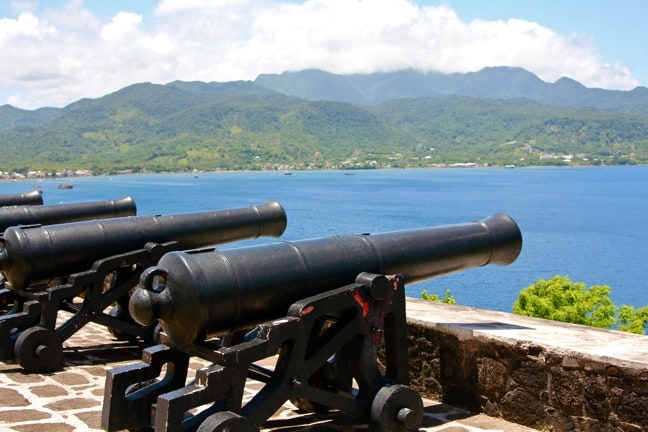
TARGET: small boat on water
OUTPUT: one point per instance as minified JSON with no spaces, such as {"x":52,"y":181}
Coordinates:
{"x":65,"y":186}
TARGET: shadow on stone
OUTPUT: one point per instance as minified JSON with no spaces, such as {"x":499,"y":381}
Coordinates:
{"x":101,"y":354}
{"x":487,"y":326}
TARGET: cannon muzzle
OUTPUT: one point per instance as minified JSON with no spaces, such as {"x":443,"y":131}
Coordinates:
{"x":25,"y":198}
{"x":212,"y":293}
{"x":64,"y":213}
{"x":34,"y":254}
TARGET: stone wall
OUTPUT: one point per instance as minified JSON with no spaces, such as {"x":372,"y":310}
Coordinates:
{"x":546,"y":375}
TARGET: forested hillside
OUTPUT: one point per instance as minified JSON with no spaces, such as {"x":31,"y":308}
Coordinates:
{"x":518,"y":131}
{"x":183,"y":126}
{"x":246,"y":125}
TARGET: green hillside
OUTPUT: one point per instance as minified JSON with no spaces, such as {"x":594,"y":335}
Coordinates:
{"x":24,"y":120}
{"x":243,"y":125}
{"x":518,"y":131}
{"x":181,"y":127}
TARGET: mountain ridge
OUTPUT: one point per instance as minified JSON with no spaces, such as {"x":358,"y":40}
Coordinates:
{"x":500,"y":82}
{"x":492,"y":82}
{"x":316,"y":120}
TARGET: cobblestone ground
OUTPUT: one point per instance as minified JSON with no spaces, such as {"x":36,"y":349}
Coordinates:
{"x":71,"y":399}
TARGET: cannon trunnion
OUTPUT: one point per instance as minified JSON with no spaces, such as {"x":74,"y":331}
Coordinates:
{"x":322,"y":311}
{"x":88,"y":270}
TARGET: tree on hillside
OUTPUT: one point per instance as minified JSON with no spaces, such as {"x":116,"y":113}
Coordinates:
{"x":560,"y":299}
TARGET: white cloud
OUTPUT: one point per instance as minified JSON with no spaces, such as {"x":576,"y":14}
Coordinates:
{"x":27,"y":25}
{"x":122,"y":26}
{"x":175,"y":6}
{"x":65,"y":54}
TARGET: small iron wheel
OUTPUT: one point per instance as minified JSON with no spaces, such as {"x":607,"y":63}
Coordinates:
{"x":38,"y":350}
{"x":396,"y":408}
{"x":227,"y":421}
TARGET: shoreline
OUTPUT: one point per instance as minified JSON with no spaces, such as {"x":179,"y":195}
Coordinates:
{"x":353,"y":170}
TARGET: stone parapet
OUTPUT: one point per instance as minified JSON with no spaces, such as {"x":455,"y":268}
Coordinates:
{"x":543,"y":374}
{"x":479,"y":370}
{"x":70,"y":399}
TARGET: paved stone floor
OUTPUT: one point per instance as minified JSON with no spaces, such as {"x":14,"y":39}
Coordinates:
{"x":71,"y":398}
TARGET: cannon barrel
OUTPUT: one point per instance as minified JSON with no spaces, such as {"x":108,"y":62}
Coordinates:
{"x":25,"y":198}
{"x":63,"y":213}
{"x":212,"y":293}
{"x":33,"y":254}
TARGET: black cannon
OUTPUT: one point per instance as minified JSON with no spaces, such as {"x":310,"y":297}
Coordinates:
{"x":24,"y":198}
{"x":325,"y":307}
{"x":24,"y":215}
{"x":85,"y":268}
{"x":64,"y":213}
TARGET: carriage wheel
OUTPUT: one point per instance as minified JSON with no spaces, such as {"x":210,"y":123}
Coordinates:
{"x":397,"y":408}
{"x":38,"y":350}
{"x":227,"y":421}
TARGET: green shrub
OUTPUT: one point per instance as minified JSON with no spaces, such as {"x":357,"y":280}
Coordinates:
{"x":447,"y":297}
{"x":560,"y":299}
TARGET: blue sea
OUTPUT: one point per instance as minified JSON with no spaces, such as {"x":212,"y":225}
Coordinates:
{"x":588,"y":223}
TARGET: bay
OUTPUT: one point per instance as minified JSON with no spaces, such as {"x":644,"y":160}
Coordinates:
{"x":588,"y":223}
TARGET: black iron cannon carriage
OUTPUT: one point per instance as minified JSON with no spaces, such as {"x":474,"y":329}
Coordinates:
{"x":321,"y":310}
{"x":88,"y":269}
{"x":32,"y":212}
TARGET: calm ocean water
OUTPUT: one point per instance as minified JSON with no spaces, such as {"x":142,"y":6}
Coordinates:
{"x":587,"y":223}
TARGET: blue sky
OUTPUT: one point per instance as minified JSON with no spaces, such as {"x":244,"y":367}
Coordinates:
{"x":55,"y":52}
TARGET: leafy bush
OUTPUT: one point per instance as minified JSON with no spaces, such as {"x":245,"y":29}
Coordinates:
{"x":447,"y":297}
{"x":560,"y":299}
{"x":633,"y":321}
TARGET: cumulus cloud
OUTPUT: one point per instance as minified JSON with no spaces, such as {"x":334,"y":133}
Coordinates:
{"x":60,"y":55}
{"x":122,"y":26}
{"x":26,"y":26}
